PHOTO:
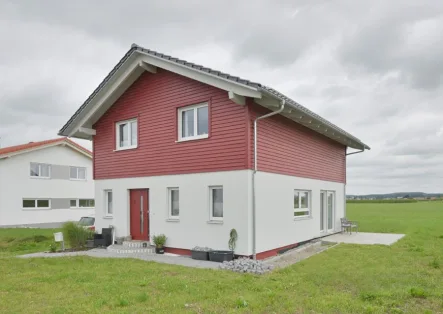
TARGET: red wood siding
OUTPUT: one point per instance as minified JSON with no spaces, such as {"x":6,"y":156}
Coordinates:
{"x":154,"y":99}
{"x":286,"y":147}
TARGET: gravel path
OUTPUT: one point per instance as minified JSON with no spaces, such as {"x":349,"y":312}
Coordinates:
{"x":103,"y":253}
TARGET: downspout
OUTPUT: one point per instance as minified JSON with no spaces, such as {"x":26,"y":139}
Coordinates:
{"x":282,"y":106}
{"x":344,"y":187}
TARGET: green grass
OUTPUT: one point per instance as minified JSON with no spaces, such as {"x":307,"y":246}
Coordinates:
{"x":21,"y":241}
{"x":403,"y":278}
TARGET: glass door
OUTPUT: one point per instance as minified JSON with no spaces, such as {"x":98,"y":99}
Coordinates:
{"x":323,"y":213}
{"x":331,"y":210}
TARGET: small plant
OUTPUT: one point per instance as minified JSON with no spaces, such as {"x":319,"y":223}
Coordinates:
{"x":434,"y":263}
{"x":75,"y":235}
{"x":159,"y":240}
{"x":367,"y":296}
{"x":53,"y":247}
{"x":232,"y":239}
{"x":241,"y":303}
{"x":417,"y":293}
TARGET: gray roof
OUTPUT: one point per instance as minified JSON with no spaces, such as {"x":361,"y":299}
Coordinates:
{"x":220,"y":74}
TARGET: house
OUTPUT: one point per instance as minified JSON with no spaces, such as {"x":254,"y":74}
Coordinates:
{"x":46,"y":182}
{"x":191,"y":152}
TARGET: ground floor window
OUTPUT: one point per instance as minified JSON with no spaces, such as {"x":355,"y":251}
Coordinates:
{"x":108,"y":203}
{"x":216,"y":202}
{"x":82,"y":203}
{"x":36,"y":203}
{"x":174,"y":204}
{"x":302,"y":202}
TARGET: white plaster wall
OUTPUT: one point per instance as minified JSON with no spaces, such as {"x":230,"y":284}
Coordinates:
{"x":193,"y":228}
{"x":276,"y":226}
{"x":16,"y":184}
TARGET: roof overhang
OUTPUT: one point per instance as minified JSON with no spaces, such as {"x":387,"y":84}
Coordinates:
{"x":138,"y":60}
{"x":66,"y":143}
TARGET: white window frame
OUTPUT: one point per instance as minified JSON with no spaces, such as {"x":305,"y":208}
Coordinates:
{"x":117,"y":134}
{"x":300,"y":209}
{"x":211,"y":209}
{"x":40,"y":170}
{"x":35,"y":203}
{"x":107,"y":213}
{"x":76,"y":203}
{"x":77,"y":170}
{"x":85,"y":199}
{"x":180,"y":122}
{"x":170,"y":203}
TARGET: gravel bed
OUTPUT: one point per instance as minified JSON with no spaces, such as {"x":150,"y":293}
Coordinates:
{"x":246,"y":265}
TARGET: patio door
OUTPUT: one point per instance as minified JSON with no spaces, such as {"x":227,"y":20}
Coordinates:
{"x":139,"y":215}
{"x":327,"y":211}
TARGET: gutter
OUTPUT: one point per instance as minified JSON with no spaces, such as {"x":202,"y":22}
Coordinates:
{"x":254,"y":246}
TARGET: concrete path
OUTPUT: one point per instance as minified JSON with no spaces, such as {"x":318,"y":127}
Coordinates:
{"x":364,"y":238}
{"x":103,"y":253}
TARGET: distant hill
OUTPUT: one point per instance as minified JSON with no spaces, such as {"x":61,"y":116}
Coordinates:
{"x":396,"y":195}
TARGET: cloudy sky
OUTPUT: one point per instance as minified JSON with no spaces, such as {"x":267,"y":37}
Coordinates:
{"x":375,"y":68}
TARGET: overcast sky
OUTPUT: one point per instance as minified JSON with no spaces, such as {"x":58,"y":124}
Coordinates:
{"x":374,"y":68}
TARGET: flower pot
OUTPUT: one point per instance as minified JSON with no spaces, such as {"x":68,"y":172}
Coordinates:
{"x":90,"y":244}
{"x":200,"y":255}
{"x":160,"y":250}
{"x":221,"y":256}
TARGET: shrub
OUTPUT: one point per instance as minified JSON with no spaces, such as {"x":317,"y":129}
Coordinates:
{"x":417,"y":293}
{"x":53,"y":247}
{"x":75,"y":235}
{"x":159,"y":240}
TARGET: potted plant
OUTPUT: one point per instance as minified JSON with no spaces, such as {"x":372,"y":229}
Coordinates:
{"x":200,"y":253}
{"x":222,"y":256}
{"x":159,"y":241}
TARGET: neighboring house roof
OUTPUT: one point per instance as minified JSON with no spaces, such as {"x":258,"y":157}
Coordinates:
{"x":32,"y":146}
{"x":261,"y":93}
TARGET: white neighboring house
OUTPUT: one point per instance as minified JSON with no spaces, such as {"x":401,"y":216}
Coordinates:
{"x":45,"y":182}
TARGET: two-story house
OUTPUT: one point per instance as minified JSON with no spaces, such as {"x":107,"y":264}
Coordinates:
{"x":191,"y":152}
{"x":47,"y":182}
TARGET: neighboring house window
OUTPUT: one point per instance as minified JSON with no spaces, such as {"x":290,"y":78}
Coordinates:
{"x":40,"y":170}
{"x":193,"y":122}
{"x":86,"y":203}
{"x":174,"y":208}
{"x":36,"y":203}
{"x":108,"y":203}
{"x":302,"y":202}
{"x":77,"y":173}
{"x":126,"y":134}
{"x":73,"y":203}
{"x":216,"y":202}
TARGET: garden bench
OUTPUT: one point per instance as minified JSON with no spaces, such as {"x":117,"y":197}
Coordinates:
{"x":348,"y":225}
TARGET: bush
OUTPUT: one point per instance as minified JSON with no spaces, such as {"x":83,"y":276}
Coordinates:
{"x":75,"y":235}
{"x":53,"y":247}
{"x":159,"y":240}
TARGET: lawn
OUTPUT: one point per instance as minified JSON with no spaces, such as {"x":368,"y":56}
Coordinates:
{"x":404,"y":278}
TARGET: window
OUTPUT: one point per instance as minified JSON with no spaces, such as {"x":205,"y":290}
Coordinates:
{"x":40,"y":170}
{"x":73,"y":204}
{"x":108,"y":203}
{"x":77,"y":173}
{"x":126,"y":134}
{"x":173,"y":207}
{"x":216,"y":202}
{"x":193,"y":122}
{"x":302,"y":201}
{"x":36,"y":203}
{"x":86,"y":203}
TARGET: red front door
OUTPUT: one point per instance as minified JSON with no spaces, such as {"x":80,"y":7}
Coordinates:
{"x":139,"y":217}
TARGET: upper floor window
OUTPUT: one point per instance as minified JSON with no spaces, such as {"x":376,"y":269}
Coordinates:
{"x":40,"y":170}
{"x":302,"y":202}
{"x":126,"y":134}
{"x":77,"y":173}
{"x":193,"y":122}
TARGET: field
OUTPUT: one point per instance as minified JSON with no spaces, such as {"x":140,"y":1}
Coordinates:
{"x":404,"y":278}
